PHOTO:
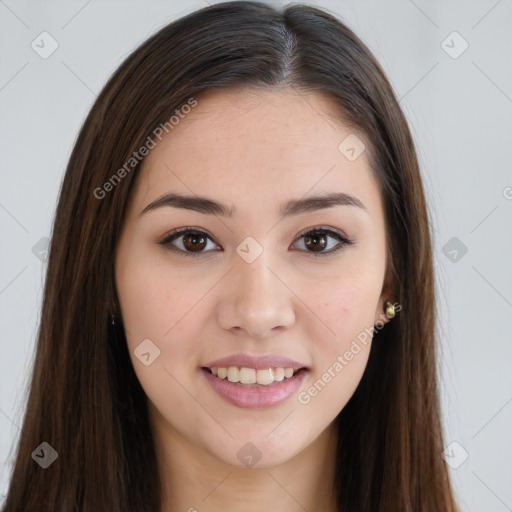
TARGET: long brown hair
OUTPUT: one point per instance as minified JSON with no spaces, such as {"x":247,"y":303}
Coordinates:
{"x":84,"y":397}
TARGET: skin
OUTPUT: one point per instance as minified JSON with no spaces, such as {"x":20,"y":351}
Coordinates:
{"x":253,"y":150}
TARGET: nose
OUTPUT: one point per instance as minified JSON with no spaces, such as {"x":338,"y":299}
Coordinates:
{"x":256,"y":300}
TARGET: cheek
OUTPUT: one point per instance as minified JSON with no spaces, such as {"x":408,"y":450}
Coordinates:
{"x":164,"y":307}
{"x":155,"y":303}
{"x":346,"y":307}
{"x":159,"y":306}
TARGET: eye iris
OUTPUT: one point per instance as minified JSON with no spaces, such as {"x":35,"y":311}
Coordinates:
{"x":198,"y":242}
{"x":315,"y":239}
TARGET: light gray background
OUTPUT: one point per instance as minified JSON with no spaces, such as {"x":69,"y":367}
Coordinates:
{"x":460,"y":112}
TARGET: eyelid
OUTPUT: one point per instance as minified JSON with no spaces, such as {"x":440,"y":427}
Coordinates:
{"x":327,"y":229}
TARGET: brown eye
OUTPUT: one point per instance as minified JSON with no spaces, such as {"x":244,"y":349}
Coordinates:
{"x":316,"y":240}
{"x":193,"y":242}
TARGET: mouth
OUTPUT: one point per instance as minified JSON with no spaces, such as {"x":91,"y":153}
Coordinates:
{"x":254,"y":388}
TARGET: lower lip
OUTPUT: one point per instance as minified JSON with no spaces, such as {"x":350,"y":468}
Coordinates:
{"x":257,"y":396}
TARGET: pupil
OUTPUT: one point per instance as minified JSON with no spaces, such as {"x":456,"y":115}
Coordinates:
{"x":315,"y":239}
{"x":195,"y":244}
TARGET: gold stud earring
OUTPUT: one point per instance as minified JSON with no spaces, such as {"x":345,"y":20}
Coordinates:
{"x":389,"y":309}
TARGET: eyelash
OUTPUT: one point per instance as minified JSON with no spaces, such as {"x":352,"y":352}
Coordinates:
{"x":176,"y":233}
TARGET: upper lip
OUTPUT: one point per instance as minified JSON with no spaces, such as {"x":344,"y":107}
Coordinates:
{"x":257,"y":362}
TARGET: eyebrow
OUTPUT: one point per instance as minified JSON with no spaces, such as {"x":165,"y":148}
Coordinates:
{"x":288,"y":209}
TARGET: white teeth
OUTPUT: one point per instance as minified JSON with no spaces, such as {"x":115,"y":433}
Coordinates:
{"x":264,"y":377}
{"x":288,"y":372}
{"x":252,"y":376}
{"x":233,"y":374}
{"x":246,"y":375}
{"x":278,"y":374}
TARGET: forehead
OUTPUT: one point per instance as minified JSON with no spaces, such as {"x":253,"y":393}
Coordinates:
{"x":268,"y":145}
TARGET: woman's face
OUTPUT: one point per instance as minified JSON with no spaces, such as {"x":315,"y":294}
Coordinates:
{"x":253,"y":284}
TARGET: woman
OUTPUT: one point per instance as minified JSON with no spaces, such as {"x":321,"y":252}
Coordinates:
{"x":239,"y":309}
